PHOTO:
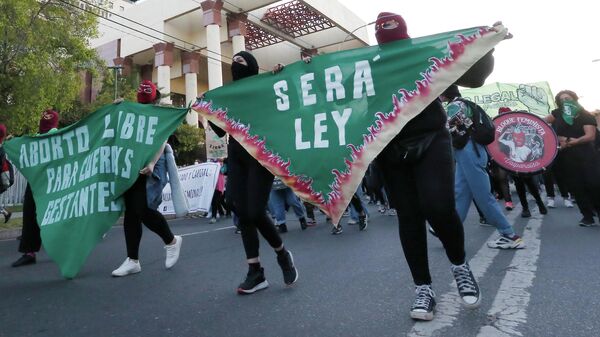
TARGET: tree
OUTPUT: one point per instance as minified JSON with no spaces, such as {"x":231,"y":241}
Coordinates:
{"x":44,"y":45}
{"x":126,"y":89}
{"x":189,"y":144}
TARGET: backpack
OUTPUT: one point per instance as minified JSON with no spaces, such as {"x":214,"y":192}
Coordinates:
{"x":483,"y":130}
{"x":7,"y":177}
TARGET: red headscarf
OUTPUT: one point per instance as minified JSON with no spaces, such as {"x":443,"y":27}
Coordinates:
{"x":386,"y":31}
{"x":48,"y":121}
{"x":146,"y":92}
{"x":503,"y":109}
{"x":2,"y":133}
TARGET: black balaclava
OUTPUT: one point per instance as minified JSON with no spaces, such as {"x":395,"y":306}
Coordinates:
{"x":239,"y":71}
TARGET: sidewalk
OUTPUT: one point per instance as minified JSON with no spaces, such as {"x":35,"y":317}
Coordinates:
{"x":7,"y":234}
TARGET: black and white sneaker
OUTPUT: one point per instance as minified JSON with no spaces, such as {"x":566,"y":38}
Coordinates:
{"x":362,"y":222}
{"x":255,"y":281}
{"x":587,"y":222}
{"x":467,"y":285}
{"x":286,"y":262}
{"x":336,"y":230}
{"x":424,"y":304}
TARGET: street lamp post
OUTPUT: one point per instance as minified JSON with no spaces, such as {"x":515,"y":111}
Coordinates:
{"x":116,"y":70}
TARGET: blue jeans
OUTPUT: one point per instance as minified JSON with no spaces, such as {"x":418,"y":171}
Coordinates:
{"x":353,"y":211}
{"x":472,"y":182}
{"x":277,"y":201}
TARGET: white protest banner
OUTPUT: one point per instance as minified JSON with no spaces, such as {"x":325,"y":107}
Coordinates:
{"x":198,"y":182}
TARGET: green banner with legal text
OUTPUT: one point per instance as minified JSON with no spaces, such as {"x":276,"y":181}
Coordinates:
{"x":535,"y":98}
{"x":78,"y":175}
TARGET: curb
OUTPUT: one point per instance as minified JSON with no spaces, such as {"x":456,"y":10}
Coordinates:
{"x":7,"y":234}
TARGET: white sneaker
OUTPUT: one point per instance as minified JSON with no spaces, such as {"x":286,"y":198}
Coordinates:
{"x":213,"y":220}
{"x":128,"y":267}
{"x":569,"y":203}
{"x":173,"y":252}
{"x":550,"y":203}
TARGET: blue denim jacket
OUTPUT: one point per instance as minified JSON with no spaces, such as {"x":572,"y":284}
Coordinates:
{"x":156,"y":183}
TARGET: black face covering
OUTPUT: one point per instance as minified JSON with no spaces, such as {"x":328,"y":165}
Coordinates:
{"x":239,"y":71}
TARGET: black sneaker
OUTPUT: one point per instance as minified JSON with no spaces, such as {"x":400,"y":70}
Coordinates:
{"x":362,"y":222}
{"x":335,"y":230}
{"x":587,"y":222}
{"x":286,"y":262}
{"x":255,"y":281}
{"x":24,"y":260}
{"x":525,"y":214}
{"x":467,"y":285}
{"x":422,"y":308}
{"x":303,"y":223}
{"x":7,"y":216}
{"x":542,"y":208}
{"x":282,"y":228}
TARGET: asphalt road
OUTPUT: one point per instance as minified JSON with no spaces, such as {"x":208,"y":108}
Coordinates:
{"x":355,"y":284}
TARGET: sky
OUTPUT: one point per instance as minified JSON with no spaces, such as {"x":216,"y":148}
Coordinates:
{"x":553,"y":41}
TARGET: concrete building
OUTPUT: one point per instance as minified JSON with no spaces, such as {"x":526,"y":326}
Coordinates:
{"x":185,"y":46}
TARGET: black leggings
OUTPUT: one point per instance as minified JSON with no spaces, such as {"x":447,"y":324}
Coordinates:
{"x":218,"y":204}
{"x":552,"y":176}
{"x":520,"y":183}
{"x":136,"y":212}
{"x":425,"y":191}
{"x":501,"y":182}
{"x":580,"y":169}
{"x":248,"y":186}
{"x":31,"y":241}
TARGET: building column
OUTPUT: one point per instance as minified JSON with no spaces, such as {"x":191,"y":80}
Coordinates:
{"x":212,"y":21}
{"x":236,"y":24}
{"x":190,"y":65}
{"x":163,"y":60}
{"x":126,"y":64}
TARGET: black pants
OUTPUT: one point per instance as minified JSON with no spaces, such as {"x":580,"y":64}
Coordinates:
{"x":136,"y":212}
{"x":425,"y":191}
{"x":31,"y":241}
{"x":579,"y":167}
{"x":520,"y":183}
{"x":552,"y":176}
{"x":217,"y":204}
{"x":248,"y":186}
{"x":310,"y":210}
{"x":500,"y":177}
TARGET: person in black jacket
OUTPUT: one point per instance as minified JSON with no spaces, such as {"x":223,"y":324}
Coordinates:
{"x":422,"y":189}
{"x":248,"y":187}
{"x":577,"y":162}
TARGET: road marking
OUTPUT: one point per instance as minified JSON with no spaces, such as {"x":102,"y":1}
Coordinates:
{"x":207,"y":231}
{"x":509,"y":309}
{"x":449,"y":304}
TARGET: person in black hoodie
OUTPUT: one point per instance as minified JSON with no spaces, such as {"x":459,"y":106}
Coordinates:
{"x":248,"y":186}
{"x":421,"y":187}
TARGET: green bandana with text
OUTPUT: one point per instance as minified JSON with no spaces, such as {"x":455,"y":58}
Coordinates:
{"x":570,"y":111}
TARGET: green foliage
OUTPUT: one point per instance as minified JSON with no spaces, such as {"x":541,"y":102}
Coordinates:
{"x":190,"y":144}
{"x":126,"y":89}
{"x":44,"y":45}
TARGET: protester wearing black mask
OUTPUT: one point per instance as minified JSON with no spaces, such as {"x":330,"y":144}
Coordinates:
{"x":248,"y":186}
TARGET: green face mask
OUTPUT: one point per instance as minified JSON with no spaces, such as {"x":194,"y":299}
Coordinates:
{"x":570,"y":111}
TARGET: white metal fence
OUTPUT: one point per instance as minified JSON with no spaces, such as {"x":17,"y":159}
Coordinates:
{"x":14,"y":195}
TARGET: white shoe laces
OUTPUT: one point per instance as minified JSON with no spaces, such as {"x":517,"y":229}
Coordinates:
{"x":464,"y":281}
{"x":424,"y":296}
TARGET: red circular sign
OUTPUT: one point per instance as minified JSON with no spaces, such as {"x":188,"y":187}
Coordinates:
{"x":524,"y":143}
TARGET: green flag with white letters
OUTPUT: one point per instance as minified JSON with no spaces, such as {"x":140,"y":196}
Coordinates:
{"x":79,"y":174}
{"x":317,"y":126}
